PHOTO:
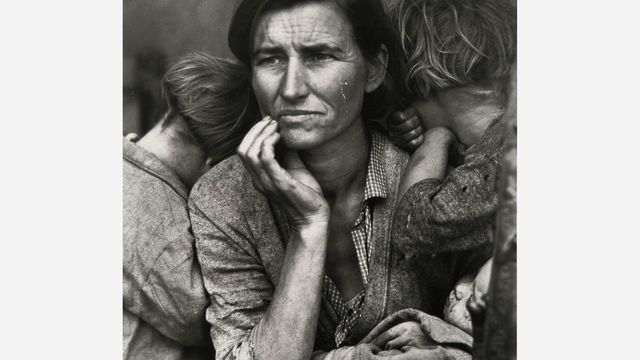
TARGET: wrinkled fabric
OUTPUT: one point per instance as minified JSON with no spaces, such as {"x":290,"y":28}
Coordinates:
{"x":450,"y":343}
{"x":457,"y":213}
{"x":433,"y":327}
{"x":164,"y":300}
{"x":241,"y":238}
{"x":375,"y":186}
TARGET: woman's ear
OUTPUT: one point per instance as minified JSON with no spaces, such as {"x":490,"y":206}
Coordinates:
{"x":376,"y":70}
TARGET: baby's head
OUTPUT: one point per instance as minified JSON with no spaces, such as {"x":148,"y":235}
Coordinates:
{"x":455,"y":308}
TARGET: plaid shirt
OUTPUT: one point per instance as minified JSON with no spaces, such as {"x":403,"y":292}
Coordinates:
{"x":375,"y":186}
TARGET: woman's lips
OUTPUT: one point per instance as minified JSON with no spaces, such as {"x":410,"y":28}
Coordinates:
{"x":293,"y":116}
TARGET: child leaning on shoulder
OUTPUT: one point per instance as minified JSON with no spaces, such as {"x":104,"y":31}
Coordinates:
{"x":459,"y":55}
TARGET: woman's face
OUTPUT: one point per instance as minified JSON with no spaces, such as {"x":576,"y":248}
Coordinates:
{"x":309,"y":74}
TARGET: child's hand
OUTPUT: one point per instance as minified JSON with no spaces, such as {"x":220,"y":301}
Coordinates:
{"x":405,"y":129}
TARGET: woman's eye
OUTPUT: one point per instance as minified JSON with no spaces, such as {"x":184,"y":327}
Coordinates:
{"x":271,"y":60}
{"x":320,"y":57}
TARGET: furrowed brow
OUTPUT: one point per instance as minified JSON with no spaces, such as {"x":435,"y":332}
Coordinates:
{"x":322,"y":47}
{"x":266,"y":50}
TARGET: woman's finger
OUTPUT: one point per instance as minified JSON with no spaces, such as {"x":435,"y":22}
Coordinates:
{"x":428,"y":352}
{"x":398,"y":342}
{"x":247,"y":144}
{"x":382,"y":339}
{"x":244,"y":150}
{"x":284,"y":182}
{"x":269,"y":167}
{"x":253,"y":152}
{"x":295,"y":184}
{"x":387,"y":354}
{"x":254,"y":157}
{"x":251,"y":135}
{"x":267,"y":147}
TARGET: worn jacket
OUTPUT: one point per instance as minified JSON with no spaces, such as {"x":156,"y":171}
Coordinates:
{"x":241,"y":239}
{"x":457,"y":213}
{"x":163,"y":296}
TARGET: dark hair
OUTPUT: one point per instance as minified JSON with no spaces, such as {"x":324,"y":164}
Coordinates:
{"x":454,"y":42}
{"x":371,"y":29}
{"x":213,"y":97}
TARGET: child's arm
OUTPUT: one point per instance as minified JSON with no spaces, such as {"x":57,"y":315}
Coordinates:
{"x":450,"y":213}
{"x":430,"y":150}
{"x":430,"y":159}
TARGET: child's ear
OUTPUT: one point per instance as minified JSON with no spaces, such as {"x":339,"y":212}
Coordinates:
{"x":376,"y":70}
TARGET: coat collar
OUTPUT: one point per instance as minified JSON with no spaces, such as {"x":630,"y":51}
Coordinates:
{"x":149,"y":163}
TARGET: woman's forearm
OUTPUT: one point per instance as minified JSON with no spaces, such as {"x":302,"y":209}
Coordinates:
{"x":288,"y":329}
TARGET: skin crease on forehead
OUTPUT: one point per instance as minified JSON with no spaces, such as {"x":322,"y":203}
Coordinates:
{"x":305,"y":58}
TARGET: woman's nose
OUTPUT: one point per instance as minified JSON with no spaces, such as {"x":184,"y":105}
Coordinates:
{"x":294,"y":84}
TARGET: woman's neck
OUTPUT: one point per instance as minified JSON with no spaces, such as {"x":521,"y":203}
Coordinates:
{"x":340,"y":166}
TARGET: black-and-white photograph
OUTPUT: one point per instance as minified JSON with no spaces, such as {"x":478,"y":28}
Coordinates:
{"x":319,"y":179}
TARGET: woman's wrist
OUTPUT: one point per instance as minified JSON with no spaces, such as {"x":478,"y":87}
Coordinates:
{"x":314,"y":216}
{"x":312,"y":224}
{"x":313,"y":232}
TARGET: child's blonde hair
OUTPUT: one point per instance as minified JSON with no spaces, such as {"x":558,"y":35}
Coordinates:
{"x":454,"y":42}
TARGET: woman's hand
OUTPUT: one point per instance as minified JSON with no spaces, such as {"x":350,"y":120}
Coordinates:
{"x":405,"y":129}
{"x":403,"y":336}
{"x":292,"y":186}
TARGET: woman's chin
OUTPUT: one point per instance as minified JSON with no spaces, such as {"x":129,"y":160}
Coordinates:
{"x":298,"y":140}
